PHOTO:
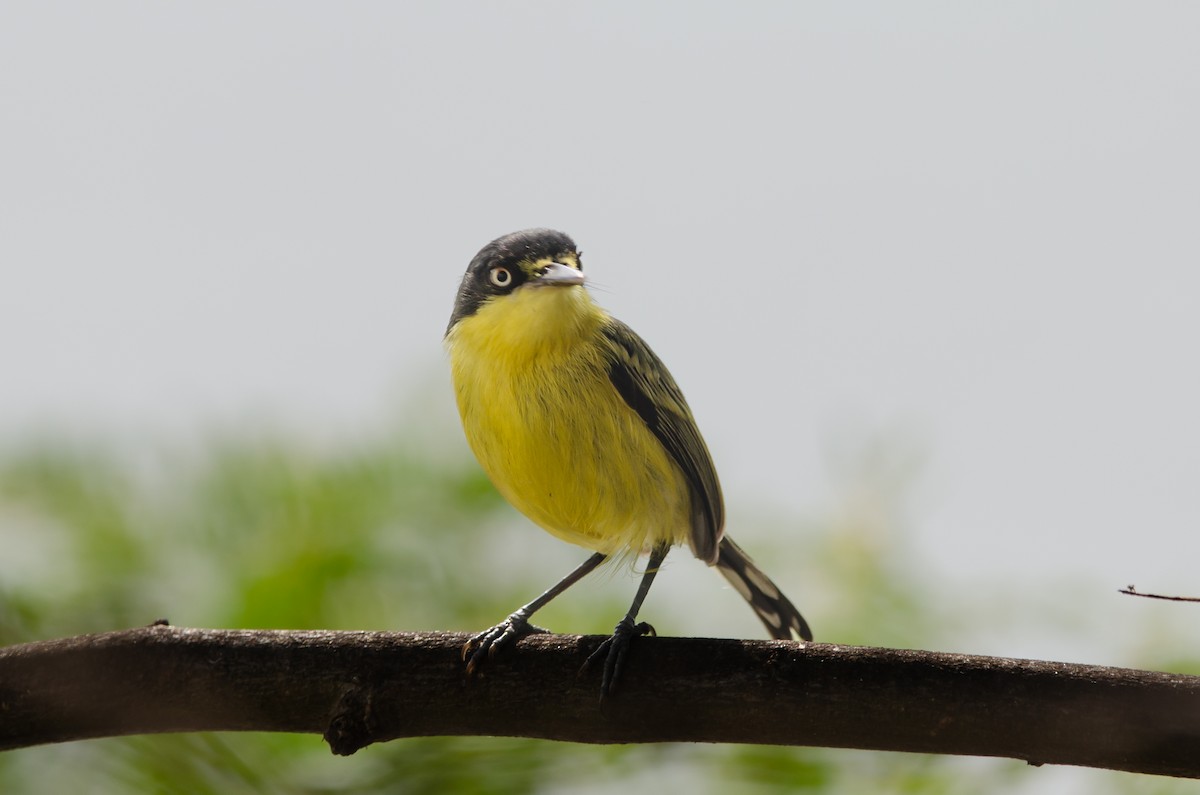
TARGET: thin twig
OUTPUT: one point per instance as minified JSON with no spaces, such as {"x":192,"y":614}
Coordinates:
{"x":1131,"y":591}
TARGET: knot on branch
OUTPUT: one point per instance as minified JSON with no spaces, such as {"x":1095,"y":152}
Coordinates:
{"x":352,"y":722}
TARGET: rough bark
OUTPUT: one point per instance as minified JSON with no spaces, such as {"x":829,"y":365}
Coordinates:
{"x":357,"y":688}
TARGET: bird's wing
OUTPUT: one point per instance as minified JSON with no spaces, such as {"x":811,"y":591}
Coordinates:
{"x":643,"y":381}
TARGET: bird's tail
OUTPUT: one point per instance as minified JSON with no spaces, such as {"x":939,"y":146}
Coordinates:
{"x":779,"y":615}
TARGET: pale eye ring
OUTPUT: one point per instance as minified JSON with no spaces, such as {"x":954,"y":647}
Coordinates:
{"x":500,"y":277}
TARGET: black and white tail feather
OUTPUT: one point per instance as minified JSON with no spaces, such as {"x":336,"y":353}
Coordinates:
{"x":781,"y":618}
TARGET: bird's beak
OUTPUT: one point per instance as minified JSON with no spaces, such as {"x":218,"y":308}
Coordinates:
{"x":557,"y":274}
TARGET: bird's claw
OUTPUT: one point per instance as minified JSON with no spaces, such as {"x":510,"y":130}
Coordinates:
{"x":488,"y":643}
{"x":614,"y":650}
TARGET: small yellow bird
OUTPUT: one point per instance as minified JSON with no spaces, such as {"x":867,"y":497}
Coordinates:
{"x":580,"y":426}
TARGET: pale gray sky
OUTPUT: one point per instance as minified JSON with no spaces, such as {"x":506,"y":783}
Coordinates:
{"x":972,"y":224}
{"x":971,"y":227}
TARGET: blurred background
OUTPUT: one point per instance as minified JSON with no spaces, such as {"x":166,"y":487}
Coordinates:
{"x":927,"y":274}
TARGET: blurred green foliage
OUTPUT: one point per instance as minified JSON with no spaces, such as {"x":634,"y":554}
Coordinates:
{"x":274,"y":534}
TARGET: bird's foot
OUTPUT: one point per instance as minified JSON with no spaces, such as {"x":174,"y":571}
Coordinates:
{"x":488,"y":643}
{"x":614,"y":652}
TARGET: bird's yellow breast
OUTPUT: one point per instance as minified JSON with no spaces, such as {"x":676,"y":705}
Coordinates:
{"x":552,"y":432}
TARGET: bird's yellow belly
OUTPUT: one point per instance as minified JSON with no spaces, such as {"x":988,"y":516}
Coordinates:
{"x":565,"y":449}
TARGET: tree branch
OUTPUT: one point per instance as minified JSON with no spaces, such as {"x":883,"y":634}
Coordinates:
{"x":357,"y":688}
{"x":1129,"y":590}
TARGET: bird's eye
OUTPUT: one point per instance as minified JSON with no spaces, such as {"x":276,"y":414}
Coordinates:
{"x":501,"y":277}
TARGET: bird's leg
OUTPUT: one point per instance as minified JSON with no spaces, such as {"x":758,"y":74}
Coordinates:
{"x":616,"y":648}
{"x":486,"y":644}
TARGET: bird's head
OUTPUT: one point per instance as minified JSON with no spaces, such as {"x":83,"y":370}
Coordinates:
{"x":525,"y":283}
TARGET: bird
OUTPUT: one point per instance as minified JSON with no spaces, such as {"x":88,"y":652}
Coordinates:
{"x":579,"y":425}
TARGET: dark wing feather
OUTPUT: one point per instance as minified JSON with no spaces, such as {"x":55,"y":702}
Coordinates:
{"x":643,"y":381}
